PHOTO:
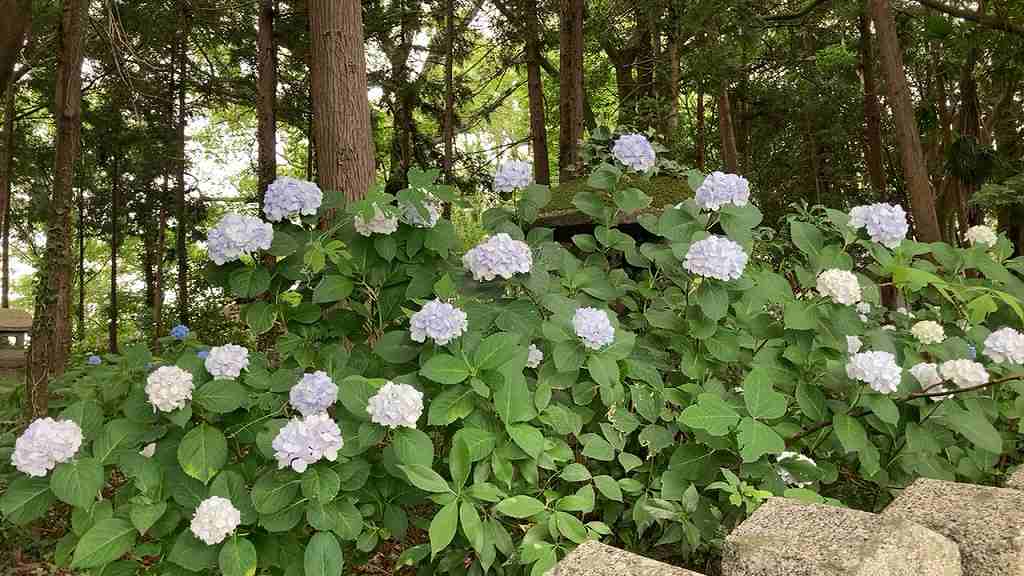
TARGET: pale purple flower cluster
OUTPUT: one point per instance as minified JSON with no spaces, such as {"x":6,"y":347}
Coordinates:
{"x":593,"y":328}
{"x":287,"y":197}
{"x":1005,"y":345}
{"x":383,"y":222}
{"x":168,"y":388}
{"x":422,"y":215}
{"x":236,"y":235}
{"x":716,"y":257}
{"x":314,"y":393}
{"x":885,"y":223}
{"x":396,"y":405}
{"x":439,"y":321}
{"x":304,"y":441}
{"x":634,"y":151}
{"x":499,"y":255}
{"x":44,"y":444}
{"x":534,"y":356}
{"x":215,"y":518}
{"x":94,"y":360}
{"x":719,"y":189}
{"x":878,"y":369}
{"x":227,"y":361}
{"x":513,"y":175}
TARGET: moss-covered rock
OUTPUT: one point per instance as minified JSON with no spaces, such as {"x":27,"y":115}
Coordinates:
{"x":663,"y":190}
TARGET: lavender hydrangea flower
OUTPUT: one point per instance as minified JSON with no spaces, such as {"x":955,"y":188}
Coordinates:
{"x":179,"y":332}
{"x":287,"y":197}
{"x":431,"y":206}
{"x":44,"y":444}
{"x":314,"y":393}
{"x":1005,"y":345}
{"x":885,"y":223}
{"x":593,"y":328}
{"x":236,"y":235}
{"x":513,"y":175}
{"x":383,"y":222}
{"x":719,"y":189}
{"x":168,"y":388}
{"x":203,"y":354}
{"x":439,"y":321}
{"x":499,"y":255}
{"x":396,"y":405}
{"x":716,"y":257}
{"x":306,"y":441}
{"x":534,"y":356}
{"x":94,"y":360}
{"x":634,"y":151}
{"x":227,"y":361}
{"x":215,"y":518}
{"x":878,"y":369}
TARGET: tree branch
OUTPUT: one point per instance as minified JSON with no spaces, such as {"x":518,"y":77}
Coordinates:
{"x":993,"y":22}
{"x":796,"y":15}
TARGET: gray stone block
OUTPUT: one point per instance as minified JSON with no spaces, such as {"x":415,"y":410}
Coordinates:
{"x":987,"y":523}
{"x":1016,"y":479}
{"x":595,"y":559}
{"x":789,"y":538}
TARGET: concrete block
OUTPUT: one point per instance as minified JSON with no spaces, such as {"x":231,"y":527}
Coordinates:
{"x":595,"y":559}
{"x":1016,"y":479}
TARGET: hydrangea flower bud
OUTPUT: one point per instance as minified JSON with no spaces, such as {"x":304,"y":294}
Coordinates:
{"x":534,"y":356}
{"x":215,"y":518}
{"x":885,"y":223}
{"x":1005,"y":345}
{"x":839,"y":285}
{"x":396,"y":405}
{"x":513,"y":175}
{"x":168,"y":388}
{"x":982,"y":235}
{"x":719,"y":189}
{"x":303,"y":442}
{"x":381,"y":223}
{"x":44,"y":444}
{"x":439,"y":321}
{"x":314,"y":393}
{"x":236,"y":235}
{"x":412,"y":215}
{"x":878,"y":370}
{"x":716,"y":257}
{"x":593,"y":328}
{"x":635,"y":151}
{"x":928,"y":332}
{"x":203,"y":354}
{"x":787,"y":477}
{"x":227,"y":361}
{"x":288,"y":197}
{"x":964,"y":373}
{"x":499,"y":255}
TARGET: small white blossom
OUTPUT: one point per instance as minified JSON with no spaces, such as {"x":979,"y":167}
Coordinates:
{"x":513,"y":175}
{"x":927,"y":375}
{"x":716,"y":257}
{"x":786,"y":476}
{"x":168,"y":388}
{"x":853,"y":344}
{"x":499,"y":255}
{"x":439,"y":321}
{"x":878,"y":370}
{"x":302,"y":442}
{"x":964,"y":373}
{"x":902,"y":311}
{"x":287,"y":197}
{"x":982,"y":235}
{"x":149,"y":450}
{"x":1005,"y":345}
{"x":313,"y":394}
{"x":215,"y":518}
{"x":928,"y":332}
{"x":635,"y":151}
{"x":44,"y":444}
{"x":593,"y":328}
{"x":889,"y":327}
{"x":863,"y":308}
{"x":839,"y":285}
{"x":432,"y":208}
{"x":534,"y":356}
{"x":227,"y":361}
{"x":381,"y":223}
{"x":885,"y":223}
{"x":719,"y":189}
{"x":396,"y":405}
{"x":236,"y":235}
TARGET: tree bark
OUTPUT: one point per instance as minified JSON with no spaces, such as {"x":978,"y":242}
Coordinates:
{"x":266,"y":99}
{"x":449,"y":93}
{"x":115,"y":240}
{"x":730,"y":158}
{"x":701,"y":128}
{"x":180,"y":212}
{"x":51,"y":327}
{"x":14,"y":26}
{"x":570,"y":89}
{"x":6,"y":185}
{"x":872,"y":110}
{"x":535,"y":90}
{"x":922,"y":200}
{"x":341,"y":109}
{"x":80,"y":309}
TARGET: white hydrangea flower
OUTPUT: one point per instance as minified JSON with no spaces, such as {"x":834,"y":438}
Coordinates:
{"x":926,"y":374}
{"x":439,"y":321}
{"x":634,"y":151}
{"x":982,"y":235}
{"x":853,"y":344}
{"x":863,"y":308}
{"x":44,"y":444}
{"x":236,"y":235}
{"x":313,"y":394}
{"x":719,"y":189}
{"x":839,"y":285}
{"x":889,"y":327}
{"x":287,"y":197}
{"x":513,"y":175}
{"x":1005,"y":345}
{"x":786,"y":476}
{"x":964,"y":373}
{"x":903,"y":311}
{"x":227,"y":361}
{"x":168,"y":388}
{"x":593,"y":328}
{"x":381,"y":223}
{"x":716,"y":257}
{"x":928,"y":332}
{"x":885,"y":223}
{"x":305,"y":441}
{"x":411,"y":211}
{"x":534,"y":356}
{"x":877,"y":369}
{"x":499,"y":255}
{"x":149,"y":450}
{"x":215,"y":518}
{"x":396,"y":405}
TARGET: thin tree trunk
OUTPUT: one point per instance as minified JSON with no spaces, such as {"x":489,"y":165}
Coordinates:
{"x":341,"y":109}
{"x":922,"y":199}
{"x":449,"y":93}
{"x":180,"y":212}
{"x":730,"y":157}
{"x":80,"y":204}
{"x":701,"y":128}
{"x":158,"y":276}
{"x":535,"y":90}
{"x":6,"y":186}
{"x":970,"y":128}
{"x":672,"y":88}
{"x":51,"y":333}
{"x":570,"y":89}
{"x":872,"y":110}
{"x":266,"y":99}
{"x":14,"y":26}
{"x":115,"y":240}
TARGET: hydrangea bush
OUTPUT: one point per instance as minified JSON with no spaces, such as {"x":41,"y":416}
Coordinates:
{"x":492,"y":410}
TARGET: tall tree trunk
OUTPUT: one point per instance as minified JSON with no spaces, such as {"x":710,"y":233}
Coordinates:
{"x":341,"y":109}
{"x":872,"y":110}
{"x":730,"y":158}
{"x":80,"y":309}
{"x":449,"y":93}
{"x":970,"y":129}
{"x":570,"y":89}
{"x":158,"y":276}
{"x":180,"y":212}
{"x":6,"y":186}
{"x":115,"y":241}
{"x":266,"y":99}
{"x":14,"y":26}
{"x":701,"y":128}
{"x":535,"y":90}
{"x":671,"y":123}
{"x":627,"y":90}
{"x":922,"y":200}
{"x":51,"y":327}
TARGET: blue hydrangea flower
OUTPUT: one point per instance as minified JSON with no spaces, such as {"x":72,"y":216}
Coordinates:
{"x":635,"y":151}
{"x":716,"y":257}
{"x":499,"y":255}
{"x":314,"y":393}
{"x":972,"y":352}
{"x":287,"y":197}
{"x":236,"y":235}
{"x":439,"y":321}
{"x":513,"y":175}
{"x":885,"y":223}
{"x":180,"y":332}
{"x":719,"y":189}
{"x":203,"y":354}
{"x":593,"y":328}
{"x":94,"y":360}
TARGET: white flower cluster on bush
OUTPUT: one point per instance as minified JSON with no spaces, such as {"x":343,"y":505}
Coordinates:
{"x":431,"y":205}
{"x":853,"y":344}
{"x":168,"y":388}
{"x":396,"y":405}
{"x":287,"y":197}
{"x":513,"y":175}
{"x":439,"y":321}
{"x":215,"y":518}
{"x":964,"y":373}
{"x":634,"y":151}
{"x":534,"y":356}
{"x":885,"y":223}
{"x":44,"y":444}
{"x":877,"y":369}
{"x":927,"y":375}
{"x":383,"y":222}
{"x":839,"y":285}
{"x":227,"y":361}
{"x":1005,"y":345}
{"x":719,"y":189}
{"x":716,"y":257}
{"x":593,"y":328}
{"x":499,"y":255}
{"x":304,"y":441}
{"x":313,"y":394}
{"x":982,"y":235}
{"x":786,"y":476}
{"x":236,"y":235}
{"x":928,"y":332}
